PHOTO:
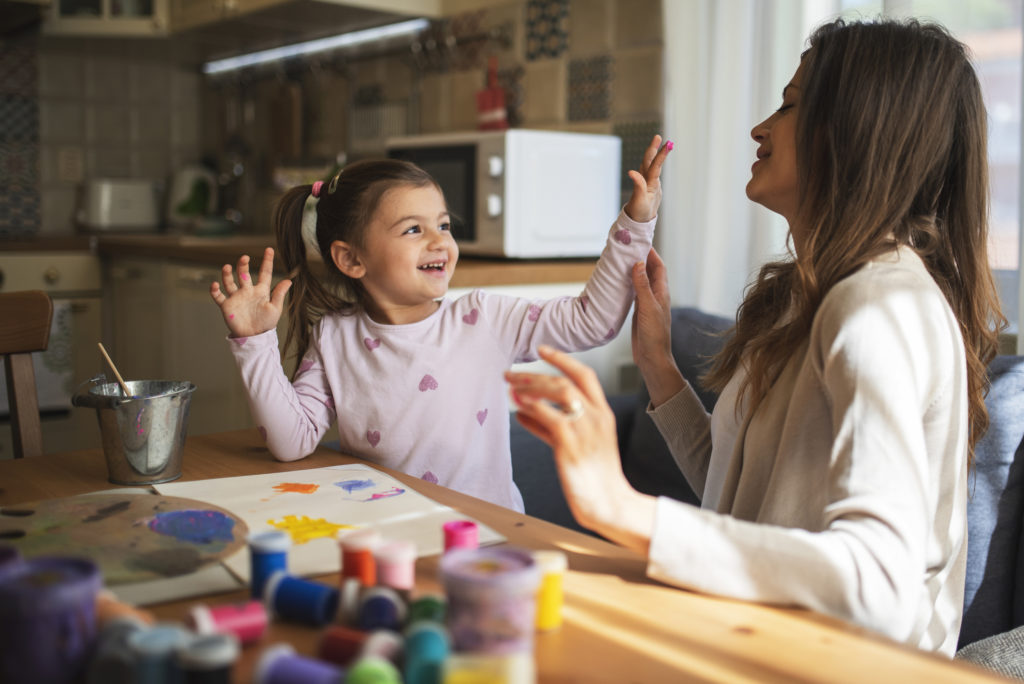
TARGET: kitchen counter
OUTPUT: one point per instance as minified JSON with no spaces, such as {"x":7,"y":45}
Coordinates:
{"x":216,"y":251}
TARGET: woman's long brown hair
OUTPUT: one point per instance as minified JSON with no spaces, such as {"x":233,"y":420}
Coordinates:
{"x":891,"y":143}
{"x":344,"y":209}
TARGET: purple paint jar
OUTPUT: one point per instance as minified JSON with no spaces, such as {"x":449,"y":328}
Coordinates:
{"x":491,"y":599}
{"x":45,"y":602}
{"x":279,"y":664}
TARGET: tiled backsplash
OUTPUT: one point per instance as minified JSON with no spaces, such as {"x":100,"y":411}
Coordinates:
{"x":101,"y":110}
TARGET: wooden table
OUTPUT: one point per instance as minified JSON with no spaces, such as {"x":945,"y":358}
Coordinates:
{"x":619,"y":626}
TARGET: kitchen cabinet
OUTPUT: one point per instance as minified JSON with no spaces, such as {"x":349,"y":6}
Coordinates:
{"x":108,"y":18}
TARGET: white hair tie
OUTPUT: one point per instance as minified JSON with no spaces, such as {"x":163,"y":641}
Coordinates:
{"x":309,"y":220}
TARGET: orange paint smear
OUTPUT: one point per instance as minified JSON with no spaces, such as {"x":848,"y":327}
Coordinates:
{"x":296,"y":487}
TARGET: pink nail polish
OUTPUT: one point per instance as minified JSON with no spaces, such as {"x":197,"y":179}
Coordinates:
{"x":669,"y":145}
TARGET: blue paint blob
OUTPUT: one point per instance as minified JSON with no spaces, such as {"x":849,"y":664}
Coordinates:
{"x":197,"y":527}
{"x":354,"y":485}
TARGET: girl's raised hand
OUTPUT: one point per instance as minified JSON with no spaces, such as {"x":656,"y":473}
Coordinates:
{"x":646,"y":198}
{"x":250,"y":308}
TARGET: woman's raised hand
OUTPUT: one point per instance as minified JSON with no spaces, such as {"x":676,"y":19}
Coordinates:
{"x":646,"y":198}
{"x":250,"y":308}
{"x":652,"y":330}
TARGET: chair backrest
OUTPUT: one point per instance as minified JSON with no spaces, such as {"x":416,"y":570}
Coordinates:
{"x":24,"y":328}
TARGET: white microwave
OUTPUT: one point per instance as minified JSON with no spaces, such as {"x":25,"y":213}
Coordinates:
{"x":523,"y":194}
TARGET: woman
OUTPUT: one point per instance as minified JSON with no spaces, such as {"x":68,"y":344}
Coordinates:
{"x":833,"y":470}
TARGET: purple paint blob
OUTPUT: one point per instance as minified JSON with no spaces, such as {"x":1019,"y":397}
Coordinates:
{"x":354,"y":485}
{"x":195,"y":526}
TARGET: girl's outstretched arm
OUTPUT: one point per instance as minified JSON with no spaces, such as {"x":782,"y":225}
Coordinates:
{"x":250,"y":308}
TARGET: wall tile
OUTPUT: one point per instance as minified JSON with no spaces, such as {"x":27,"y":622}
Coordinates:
{"x":61,"y":75}
{"x":62,"y":122}
{"x":150,"y":125}
{"x":636,"y":136}
{"x":637,"y":84}
{"x":544,"y":92}
{"x":18,"y":69}
{"x":109,"y":162}
{"x":464,"y":87}
{"x":590,"y":27}
{"x":149,"y":83}
{"x":108,"y":124}
{"x":20,"y":115}
{"x":638,"y":22}
{"x":435,"y":103}
{"x":547,"y":28}
{"x":151,"y":162}
{"x":590,"y":88}
{"x":106,"y":79}
{"x":58,"y":209}
{"x":184,"y":125}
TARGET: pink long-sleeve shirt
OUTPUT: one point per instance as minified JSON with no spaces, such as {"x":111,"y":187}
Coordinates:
{"x":428,"y":398}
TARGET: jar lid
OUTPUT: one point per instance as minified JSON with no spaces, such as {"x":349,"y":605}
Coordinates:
{"x":503,"y":568}
{"x":270,"y":541}
{"x":551,"y":561}
{"x":159,"y":641}
{"x":46,"y":585}
{"x":208,"y":651}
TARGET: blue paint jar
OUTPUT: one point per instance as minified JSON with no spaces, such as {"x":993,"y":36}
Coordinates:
{"x":300,"y":600}
{"x":154,"y":649}
{"x":380,"y":608}
{"x":114,"y":660}
{"x":268,"y":553}
{"x":279,"y":664}
{"x":44,"y":602}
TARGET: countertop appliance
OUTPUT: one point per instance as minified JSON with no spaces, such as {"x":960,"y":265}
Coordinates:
{"x":119,"y":204}
{"x":523,"y":194}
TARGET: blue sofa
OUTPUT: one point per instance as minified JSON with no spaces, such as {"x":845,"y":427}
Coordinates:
{"x":994,"y":599}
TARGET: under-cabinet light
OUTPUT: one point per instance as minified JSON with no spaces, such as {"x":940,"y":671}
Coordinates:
{"x":319,"y":45}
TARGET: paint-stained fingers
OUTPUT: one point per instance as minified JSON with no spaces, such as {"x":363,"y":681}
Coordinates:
{"x":653,"y":170}
{"x":243,"y":271}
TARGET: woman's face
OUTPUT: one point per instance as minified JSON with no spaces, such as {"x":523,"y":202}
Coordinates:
{"x":773,"y":180}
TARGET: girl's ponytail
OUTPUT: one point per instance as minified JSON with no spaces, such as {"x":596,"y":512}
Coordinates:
{"x":308,"y":299}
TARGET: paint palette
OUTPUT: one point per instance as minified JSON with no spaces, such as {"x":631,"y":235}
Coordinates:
{"x":132,"y":537}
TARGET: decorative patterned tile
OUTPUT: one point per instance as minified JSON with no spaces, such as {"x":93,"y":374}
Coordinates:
{"x":547,"y":28}
{"x":18,"y":68}
{"x":19,"y":118}
{"x":590,"y":88}
{"x":511,"y":81}
{"x":636,"y":135}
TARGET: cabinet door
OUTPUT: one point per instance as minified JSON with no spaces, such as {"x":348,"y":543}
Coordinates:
{"x":197,"y":351}
{"x":108,"y":18}
{"x":137,"y":300}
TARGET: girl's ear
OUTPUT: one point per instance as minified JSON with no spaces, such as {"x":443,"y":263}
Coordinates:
{"x":346,"y":258}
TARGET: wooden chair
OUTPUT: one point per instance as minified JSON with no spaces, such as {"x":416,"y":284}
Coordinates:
{"x":24,"y":328}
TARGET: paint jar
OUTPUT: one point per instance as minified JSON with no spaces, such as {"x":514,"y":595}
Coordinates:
{"x":380,"y":608}
{"x":396,"y":565}
{"x":357,"y":548}
{"x":208,"y":659}
{"x":114,"y":661}
{"x":491,"y":598}
{"x":428,"y":607}
{"x":246,"y":621}
{"x":372,"y":670}
{"x":268,"y":553}
{"x":384,"y":644}
{"x":348,"y":603}
{"x":10,"y":560}
{"x":45,"y":602}
{"x":300,"y":600}
{"x":427,"y":646}
{"x":471,"y":668}
{"x":279,"y":664}
{"x":153,"y":650}
{"x":341,"y":645}
{"x":460,"y":534}
{"x":143,"y":434}
{"x":552,"y":566}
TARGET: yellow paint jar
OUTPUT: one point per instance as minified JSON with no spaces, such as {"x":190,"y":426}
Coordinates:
{"x":549,"y":599}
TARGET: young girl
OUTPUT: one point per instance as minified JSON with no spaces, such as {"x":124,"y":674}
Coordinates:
{"x":413,"y":379}
{"x":833,"y":472}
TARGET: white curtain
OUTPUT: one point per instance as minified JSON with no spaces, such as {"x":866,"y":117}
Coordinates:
{"x":726,"y":62}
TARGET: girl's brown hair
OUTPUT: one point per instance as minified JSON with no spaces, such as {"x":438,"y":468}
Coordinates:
{"x":891,"y":144}
{"x":345,"y":207}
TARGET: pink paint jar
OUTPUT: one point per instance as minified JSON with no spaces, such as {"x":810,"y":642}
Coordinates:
{"x":396,"y":565}
{"x":247,"y":621}
{"x":492,"y":599}
{"x":460,"y":534}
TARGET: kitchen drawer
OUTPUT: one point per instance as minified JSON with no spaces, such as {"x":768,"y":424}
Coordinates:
{"x":56,"y":272}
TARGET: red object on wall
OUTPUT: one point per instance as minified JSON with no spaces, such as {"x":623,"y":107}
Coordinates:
{"x":490,"y":102}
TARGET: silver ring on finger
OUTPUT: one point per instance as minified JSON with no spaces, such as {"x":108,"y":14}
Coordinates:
{"x":573,"y":411}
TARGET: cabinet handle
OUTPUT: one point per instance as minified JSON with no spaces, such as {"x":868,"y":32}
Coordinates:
{"x":51,"y":275}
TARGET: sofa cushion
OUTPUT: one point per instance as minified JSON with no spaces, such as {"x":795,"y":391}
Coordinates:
{"x":646,"y":460}
{"x":1002,"y":653}
{"x":995,"y":569}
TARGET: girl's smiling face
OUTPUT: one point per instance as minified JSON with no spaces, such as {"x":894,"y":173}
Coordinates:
{"x":408,"y":255}
{"x":773,"y":181}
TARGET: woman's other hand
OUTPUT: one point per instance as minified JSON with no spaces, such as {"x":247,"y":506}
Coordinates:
{"x":646,"y":198}
{"x":570,"y":413}
{"x":652,"y":330}
{"x":250,"y":308}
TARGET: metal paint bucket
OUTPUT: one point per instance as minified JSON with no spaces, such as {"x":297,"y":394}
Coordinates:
{"x":144,"y":434}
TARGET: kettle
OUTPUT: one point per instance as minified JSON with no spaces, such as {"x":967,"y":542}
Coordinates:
{"x":192,"y":195}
